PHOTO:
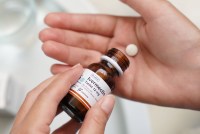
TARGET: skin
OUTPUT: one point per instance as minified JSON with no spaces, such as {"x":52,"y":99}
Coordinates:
{"x":165,"y":72}
{"x":41,"y":106}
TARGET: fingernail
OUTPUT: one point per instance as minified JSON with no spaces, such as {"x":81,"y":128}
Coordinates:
{"x":75,"y":66}
{"x":107,"y":103}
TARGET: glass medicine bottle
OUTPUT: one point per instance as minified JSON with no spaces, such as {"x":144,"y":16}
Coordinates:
{"x":95,"y":82}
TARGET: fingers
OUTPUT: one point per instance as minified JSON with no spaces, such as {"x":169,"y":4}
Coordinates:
{"x":149,"y":9}
{"x":97,"y":117}
{"x":69,"y":128}
{"x":70,"y":55}
{"x":76,"y":39}
{"x":58,"y":68}
{"x":98,"y":24}
{"x":45,"y":107}
{"x":30,"y":99}
{"x":95,"y":120}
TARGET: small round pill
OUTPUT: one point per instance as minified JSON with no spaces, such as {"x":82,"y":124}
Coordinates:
{"x":131,"y":50}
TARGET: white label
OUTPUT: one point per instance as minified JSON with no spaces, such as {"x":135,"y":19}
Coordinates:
{"x":90,"y":88}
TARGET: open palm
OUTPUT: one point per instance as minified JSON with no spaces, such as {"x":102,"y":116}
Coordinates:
{"x":166,"y":70}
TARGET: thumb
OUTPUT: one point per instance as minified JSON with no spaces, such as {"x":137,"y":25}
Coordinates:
{"x":97,"y":117}
{"x":149,"y":9}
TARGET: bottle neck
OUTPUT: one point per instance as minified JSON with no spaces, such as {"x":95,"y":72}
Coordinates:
{"x":116,"y":56}
{"x":112,"y":63}
{"x":113,"y":71}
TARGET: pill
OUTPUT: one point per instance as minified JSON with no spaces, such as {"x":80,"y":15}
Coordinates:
{"x":131,"y":50}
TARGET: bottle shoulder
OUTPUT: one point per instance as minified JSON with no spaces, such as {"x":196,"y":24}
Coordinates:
{"x":101,"y":70}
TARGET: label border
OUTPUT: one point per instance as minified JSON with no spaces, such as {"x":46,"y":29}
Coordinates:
{"x":80,"y":98}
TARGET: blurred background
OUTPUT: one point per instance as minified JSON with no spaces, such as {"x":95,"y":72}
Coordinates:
{"x":23,"y":66}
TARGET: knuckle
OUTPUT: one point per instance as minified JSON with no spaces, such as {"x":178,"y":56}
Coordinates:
{"x":87,"y":41}
{"x":30,"y":95}
{"x":43,"y":96}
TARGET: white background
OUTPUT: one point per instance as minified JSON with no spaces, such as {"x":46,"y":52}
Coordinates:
{"x":132,"y":118}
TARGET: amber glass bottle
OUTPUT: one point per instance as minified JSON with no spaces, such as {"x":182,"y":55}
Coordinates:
{"x":95,"y":82}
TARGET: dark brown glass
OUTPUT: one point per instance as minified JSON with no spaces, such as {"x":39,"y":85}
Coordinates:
{"x":72,"y":106}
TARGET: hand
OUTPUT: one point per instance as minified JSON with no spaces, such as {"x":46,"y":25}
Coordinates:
{"x":166,"y":70}
{"x":40,"y":108}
